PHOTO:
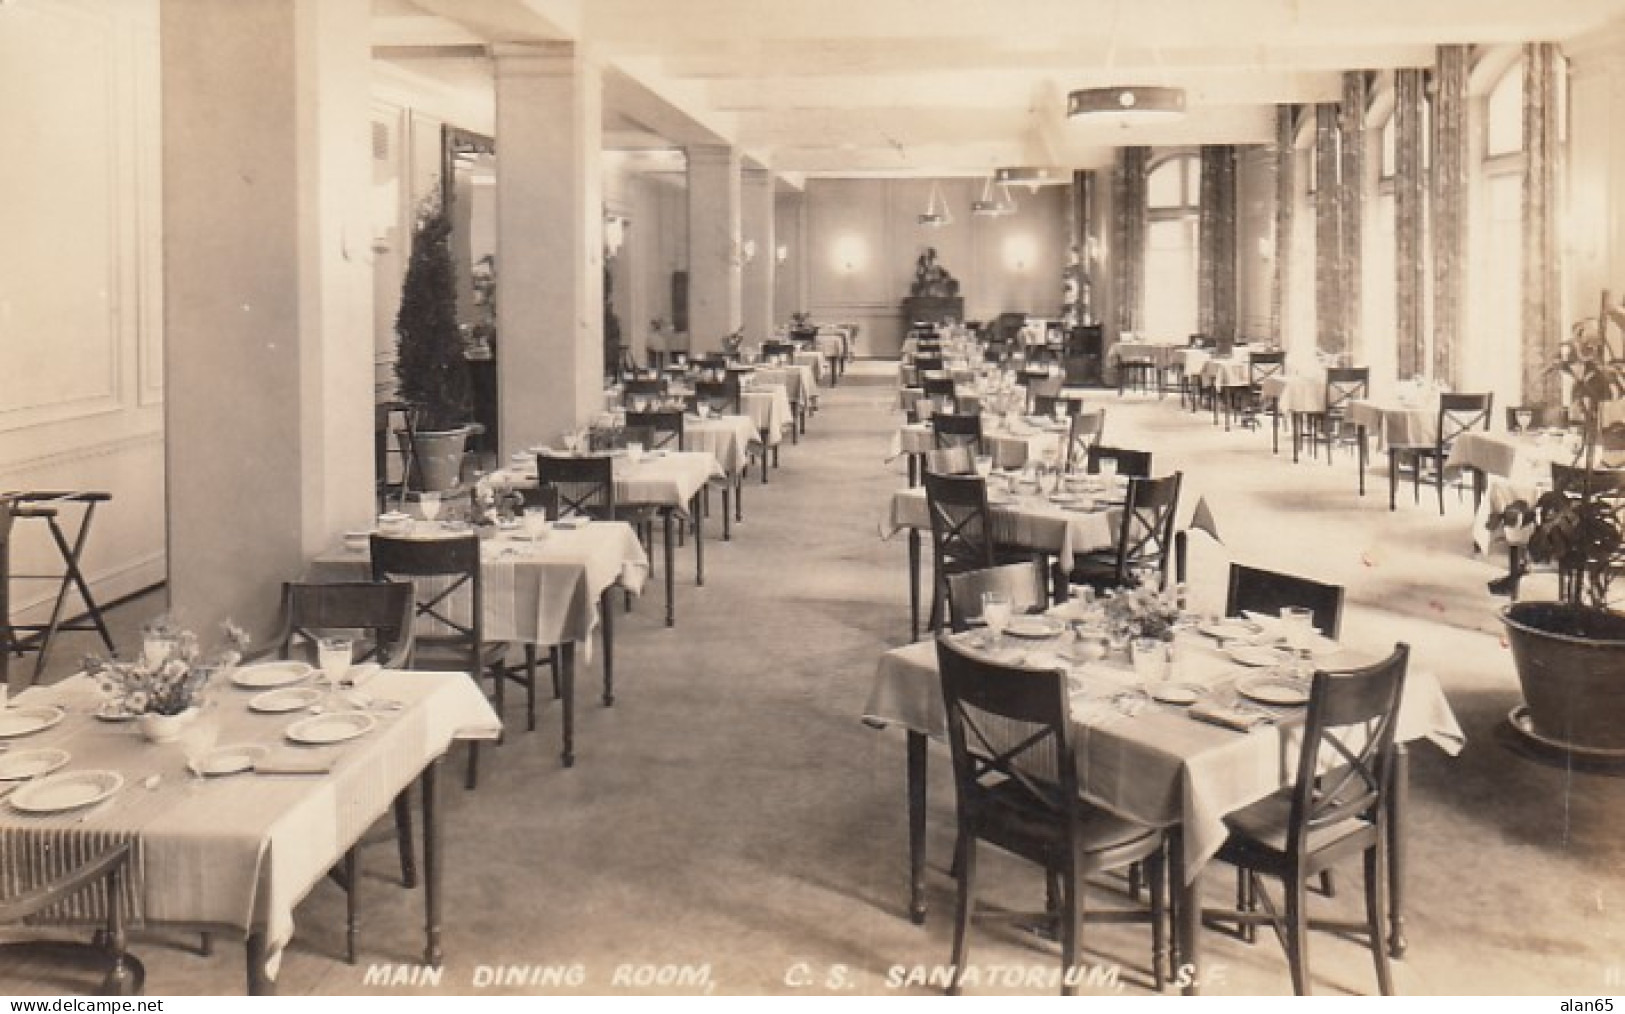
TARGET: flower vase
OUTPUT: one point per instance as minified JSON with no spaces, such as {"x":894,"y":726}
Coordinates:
{"x":158,"y":728}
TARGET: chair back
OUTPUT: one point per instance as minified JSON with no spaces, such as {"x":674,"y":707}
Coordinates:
{"x":1047,"y":405}
{"x":643,"y":392}
{"x":1345,"y":767}
{"x":1263,"y":365}
{"x":961,"y":532}
{"x":937,"y":387}
{"x":541,"y":497}
{"x":1541,"y":417}
{"x":381,"y":612}
{"x":1575,"y":480}
{"x":950,"y":430}
{"x":928,"y":364}
{"x":6,"y":503}
{"x":1010,"y":735}
{"x":778,"y":350}
{"x":1135,"y":464}
{"x":1023,"y":582}
{"x":585,"y":485}
{"x":1145,"y":537}
{"x":1085,"y":432}
{"x":960,"y":459}
{"x":1345,"y":385}
{"x":1267,"y":591}
{"x":1200,"y":341}
{"x":455,"y":563}
{"x":1459,"y":413}
{"x":719,"y":397}
{"x":665,"y":428}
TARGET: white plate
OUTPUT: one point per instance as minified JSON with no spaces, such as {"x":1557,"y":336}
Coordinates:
{"x":1253,"y":654}
{"x":22,"y":721}
{"x":1035,"y":626}
{"x":70,"y":791}
{"x":1273,"y":690}
{"x":1177,"y":693}
{"x":228,"y":760}
{"x":276,"y":702}
{"x":30,"y":764}
{"x":335,"y":728}
{"x":1231,"y":629}
{"x":270,"y":674}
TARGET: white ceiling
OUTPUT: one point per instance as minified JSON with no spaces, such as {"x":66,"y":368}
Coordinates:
{"x":909,"y":87}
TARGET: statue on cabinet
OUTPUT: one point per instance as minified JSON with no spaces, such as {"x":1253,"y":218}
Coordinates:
{"x":931,"y":278}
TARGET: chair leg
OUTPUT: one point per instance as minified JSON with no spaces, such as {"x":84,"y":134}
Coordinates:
{"x":1438,"y":479}
{"x":1297,"y":933}
{"x":1393,"y":479}
{"x":1328,"y":885}
{"x":1376,"y":908}
{"x":352,"y":890}
{"x":403,"y":840}
{"x":1156,"y":868}
{"x":530,"y":688}
{"x":967,"y":886}
{"x":473,"y":776}
{"x":1071,"y":929}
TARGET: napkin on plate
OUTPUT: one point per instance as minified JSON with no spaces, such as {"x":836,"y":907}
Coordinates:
{"x":285,"y":763}
{"x":1230,"y":716}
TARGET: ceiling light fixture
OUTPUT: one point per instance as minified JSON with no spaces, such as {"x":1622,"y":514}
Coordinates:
{"x":1128,"y":104}
{"x":1030,"y":176}
{"x":936,"y":209}
{"x":991,"y":207}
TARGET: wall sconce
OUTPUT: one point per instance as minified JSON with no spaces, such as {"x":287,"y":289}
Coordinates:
{"x":850,"y":254}
{"x":1019,"y":253}
{"x":782,"y":254}
{"x":614,"y":234}
{"x":749,"y":250}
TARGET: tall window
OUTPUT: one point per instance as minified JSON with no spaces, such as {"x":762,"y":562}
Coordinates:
{"x":1172,"y":199}
{"x":1495,"y":361}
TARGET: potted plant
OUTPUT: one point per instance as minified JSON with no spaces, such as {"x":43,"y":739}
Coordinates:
{"x":1570,"y":653}
{"x":430,"y":365}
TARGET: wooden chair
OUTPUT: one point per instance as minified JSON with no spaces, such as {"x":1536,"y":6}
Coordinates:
{"x":439,"y":571}
{"x":778,"y":351}
{"x":1344,"y":386}
{"x":1541,"y":417}
{"x":959,"y":459}
{"x":641,"y":394}
{"x":1085,"y":432}
{"x":1135,"y":464}
{"x":1266,"y":591}
{"x":949,"y":430}
{"x":664,"y":427}
{"x":717,"y":397}
{"x":1024,"y":582}
{"x":1247,"y":403}
{"x":121,"y":973}
{"x":961,"y":532}
{"x":940,"y":393}
{"x":1048,"y":405}
{"x":1016,"y":782}
{"x":1145,"y":537}
{"x":1458,"y":413}
{"x":1041,"y":384}
{"x":1327,"y":815}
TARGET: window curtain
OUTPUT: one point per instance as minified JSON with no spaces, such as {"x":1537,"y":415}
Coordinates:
{"x":1409,"y":249}
{"x":1542,"y":295}
{"x":1450,"y":159}
{"x":1328,"y":231}
{"x":1286,"y":119}
{"x":1216,"y":262}
{"x":1351,"y":204}
{"x":1129,"y":229}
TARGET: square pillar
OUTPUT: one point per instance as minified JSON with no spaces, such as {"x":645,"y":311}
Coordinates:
{"x":756,"y":200}
{"x":715,"y":254}
{"x":550,"y":242}
{"x":267,"y":295}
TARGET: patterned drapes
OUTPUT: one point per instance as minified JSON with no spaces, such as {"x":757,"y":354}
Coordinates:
{"x":1328,"y":232}
{"x":1081,"y":264}
{"x":1129,"y":235}
{"x":1450,"y":211}
{"x":1542,"y":296}
{"x":1216,"y":268}
{"x":1351,"y":203}
{"x":1285,"y":214}
{"x":1409,"y":253}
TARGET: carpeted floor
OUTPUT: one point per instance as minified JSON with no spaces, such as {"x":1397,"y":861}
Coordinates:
{"x":731,"y":826}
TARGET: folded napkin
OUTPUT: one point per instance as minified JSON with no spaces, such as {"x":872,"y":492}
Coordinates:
{"x":1231,"y":716}
{"x":286,"y":763}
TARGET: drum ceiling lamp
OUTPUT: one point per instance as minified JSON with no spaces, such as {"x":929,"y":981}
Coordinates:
{"x":1127,"y":104}
{"x":936,"y":209}
{"x":990,"y":205}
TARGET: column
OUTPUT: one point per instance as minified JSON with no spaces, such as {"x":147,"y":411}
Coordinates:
{"x":715,"y":249}
{"x":550,"y":241}
{"x":267,"y":295}
{"x":1285,"y":216}
{"x":1351,"y":206}
{"x":1216,"y":271}
{"x":1328,"y":237}
{"x":756,"y":212}
{"x":1449,"y":206}
{"x":1542,"y":259}
{"x":1410,"y":181}
{"x":1128,"y":244}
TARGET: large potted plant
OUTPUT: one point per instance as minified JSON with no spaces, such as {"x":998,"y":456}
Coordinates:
{"x":1570,"y":653}
{"x":430,"y":366}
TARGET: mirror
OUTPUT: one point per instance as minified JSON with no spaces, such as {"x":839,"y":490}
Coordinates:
{"x":468,"y":190}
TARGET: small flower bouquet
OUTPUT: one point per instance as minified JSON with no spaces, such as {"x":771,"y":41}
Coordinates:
{"x":1144,"y":612}
{"x":171,"y":672}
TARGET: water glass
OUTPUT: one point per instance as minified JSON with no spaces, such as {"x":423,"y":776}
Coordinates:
{"x":634,"y":450}
{"x":984,"y":465}
{"x":996,"y":608}
{"x":1108,"y":468}
{"x":1298,"y":625}
{"x":429,"y":505}
{"x":333,"y":655}
{"x":536,"y":524}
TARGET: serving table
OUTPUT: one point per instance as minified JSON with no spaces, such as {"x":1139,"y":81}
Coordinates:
{"x":557,"y":590}
{"x":239,"y":852}
{"x":1154,"y":762}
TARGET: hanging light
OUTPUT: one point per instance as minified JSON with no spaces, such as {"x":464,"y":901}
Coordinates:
{"x":1128,"y":104}
{"x":936,"y":209}
{"x":1030,"y":176}
{"x":991,"y":207}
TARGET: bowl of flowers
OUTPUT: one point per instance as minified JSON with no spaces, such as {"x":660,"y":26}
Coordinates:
{"x":162,"y":689}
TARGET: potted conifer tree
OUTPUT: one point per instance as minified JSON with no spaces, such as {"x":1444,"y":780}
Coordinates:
{"x":429,"y":366}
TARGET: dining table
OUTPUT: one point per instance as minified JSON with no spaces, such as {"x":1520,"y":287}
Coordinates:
{"x":800,"y":388}
{"x":234,"y":823}
{"x":556,"y":590}
{"x":1010,"y":443}
{"x":670,"y":482}
{"x":1180,"y":751}
{"x":734,"y":441}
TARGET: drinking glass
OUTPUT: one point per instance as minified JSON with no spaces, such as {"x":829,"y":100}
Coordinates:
{"x":634,"y":450}
{"x":333,"y":656}
{"x":996,"y":614}
{"x":1108,"y":468}
{"x":429,"y":505}
{"x":1523,"y":417}
{"x":1298,"y":625}
{"x":536,"y":523}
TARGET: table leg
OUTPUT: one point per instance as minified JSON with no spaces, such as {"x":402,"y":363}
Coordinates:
{"x":913,"y":470}
{"x":433,"y":865}
{"x":1398,"y":802}
{"x":916,"y":826}
{"x":1365,"y":454}
{"x":1297,"y":436}
{"x":567,"y":676}
{"x":767,"y":449}
{"x":259,"y":983}
{"x":913,"y":584}
{"x":607,"y":610}
{"x":739,"y":499}
{"x":1188,"y":916}
{"x":727,"y":512}
{"x":699,"y":541}
{"x":671,"y":565}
